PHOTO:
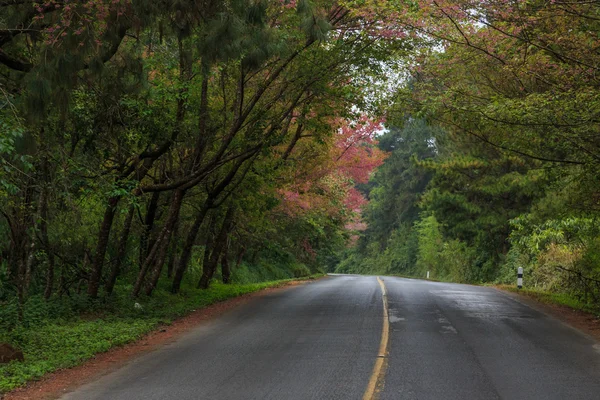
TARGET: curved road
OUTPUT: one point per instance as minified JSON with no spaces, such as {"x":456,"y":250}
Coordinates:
{"x":321,"y":341}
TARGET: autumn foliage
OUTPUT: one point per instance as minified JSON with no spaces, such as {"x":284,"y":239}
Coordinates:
{"x":350,"y":156}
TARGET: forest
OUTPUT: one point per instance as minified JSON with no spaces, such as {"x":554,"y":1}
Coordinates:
{"x":166,"y":154}
{"x":493,"y":147}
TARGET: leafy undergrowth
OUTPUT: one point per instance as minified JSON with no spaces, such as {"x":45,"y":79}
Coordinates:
{"x":561,"y":299}
{"x":57,"y":336}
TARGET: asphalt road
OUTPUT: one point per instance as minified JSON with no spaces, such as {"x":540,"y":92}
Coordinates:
{"x":322,"y":340}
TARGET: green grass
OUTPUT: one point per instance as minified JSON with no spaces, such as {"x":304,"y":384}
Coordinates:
{"x":561,"y":299}
{"x":63,"y":333}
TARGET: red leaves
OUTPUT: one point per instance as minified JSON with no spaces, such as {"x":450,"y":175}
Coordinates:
{"x":329,"y":187}
{"x":358,"y":155}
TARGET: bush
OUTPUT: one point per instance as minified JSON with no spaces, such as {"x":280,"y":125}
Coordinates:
{"x":300,"y":271}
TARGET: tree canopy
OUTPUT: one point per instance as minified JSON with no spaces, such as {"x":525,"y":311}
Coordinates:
{"x":154,"y":145}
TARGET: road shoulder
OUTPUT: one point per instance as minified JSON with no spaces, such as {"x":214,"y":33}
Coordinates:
{"x":583,"y":321}
{"x":55,"y":384}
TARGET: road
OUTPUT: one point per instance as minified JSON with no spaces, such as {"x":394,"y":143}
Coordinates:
{"x":322,"y":341}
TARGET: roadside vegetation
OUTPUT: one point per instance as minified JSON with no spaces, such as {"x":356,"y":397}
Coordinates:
{"x":173,"y":154}
{"x":151,"y":149}
{"x":546,"y":297}
{"x":494,"y":151}
{"x":63,"y":332}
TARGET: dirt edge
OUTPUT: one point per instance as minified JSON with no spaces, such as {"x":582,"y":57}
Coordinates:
{"x":62,"y":381}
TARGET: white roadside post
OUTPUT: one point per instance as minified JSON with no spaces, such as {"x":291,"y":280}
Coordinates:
{"x":520,"y":278}
{"x":427,"y":274}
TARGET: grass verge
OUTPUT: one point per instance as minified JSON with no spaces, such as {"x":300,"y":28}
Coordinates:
{"x":55,"y":338}
{"x":560,"y":299}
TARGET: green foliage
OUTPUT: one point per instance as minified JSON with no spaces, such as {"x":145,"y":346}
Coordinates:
{"x":122,"y":123}
{"x":389,"y":243}
{"x":53,"y":346}
{"x":449,"y":260}
{"x":13,"y":166}
{"x":516,"y":181}
{"x":559,"y":255}
{"x":430,"y":246}
{"x":267,"y":271}
{"x":553,"y":298}
{"x":111,"y":111}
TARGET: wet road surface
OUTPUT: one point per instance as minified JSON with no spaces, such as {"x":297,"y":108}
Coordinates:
{"x":321,"y":341}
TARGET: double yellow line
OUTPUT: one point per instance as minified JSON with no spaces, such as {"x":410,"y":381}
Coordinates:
{"x":380,"y":367}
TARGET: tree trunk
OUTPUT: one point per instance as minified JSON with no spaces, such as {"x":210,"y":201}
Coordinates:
{"x":144,"y":268}
{"x":61,"y":281}
{"x":43,"y":214}
{"x":32,"y":242}
{"x":148,"y":225}
{"x":225,"y":269}
{"x":29,"y":262}
{"x":158,"y":252}
{"x":188,"y":246}
{"x":199,"y":150}
{"x":158,"y":264}
{"x":173,"y":252}
{"x":12,"y":257}
{"x":103,"y":236}
{"x":208,"y":246}
{"x":21,"y":284}
{"x":22,"y":242}
{"x":121,"y":251}
{"x":240,"y":256}
{"x":46,"y":243}
{"x":208,"y":270}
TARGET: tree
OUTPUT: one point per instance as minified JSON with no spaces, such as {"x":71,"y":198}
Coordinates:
{"x":394,"y":192}
{"x":135,"y":124}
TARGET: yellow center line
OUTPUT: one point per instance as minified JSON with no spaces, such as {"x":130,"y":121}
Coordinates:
{"x":380,"y":367}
